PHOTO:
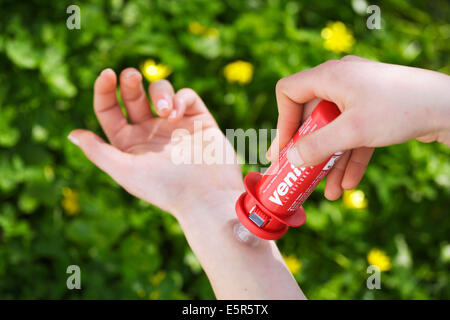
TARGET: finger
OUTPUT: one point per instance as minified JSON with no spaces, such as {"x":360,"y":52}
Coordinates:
{"x":333,"y":187}
{"x":356,"y":167}
{"x":133,"y":96}
{"x":318,"y":82}
{"x":186,"y":102}
{"x":431,"y":137}
{"x":105,"y":156}
{"x":346,"y":132}
{"x":162,"y":94}
{"x":307,"y":108}
{"x":289,"y":119}
{"x":323,"y":81}
{"x":106,"y":106}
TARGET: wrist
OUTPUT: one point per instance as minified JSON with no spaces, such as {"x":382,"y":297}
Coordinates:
{"x":214,"y":204}
{"x":237,"y":270}
{"x":439,"y":106}
{"x":444,"y":118}
{"x":441,"y":122}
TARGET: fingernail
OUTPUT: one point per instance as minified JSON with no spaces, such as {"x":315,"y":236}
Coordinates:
{"x":294,"y":157}
{"x":108,"y":70}
{"x":173,"y":114}
{"x":162,"y":105}
{"x":74,"y":140}
{"x":130,"y":73}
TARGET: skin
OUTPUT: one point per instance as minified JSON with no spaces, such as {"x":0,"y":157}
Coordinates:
{"x":200,"y":196}
{"x":381,"y":104}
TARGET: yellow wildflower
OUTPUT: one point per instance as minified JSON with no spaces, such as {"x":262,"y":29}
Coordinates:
{"x":355,"y":199}
{"x":239,"y":71}
{"x":337,"y":37}
{"x":212,"y":33}
{"x":70,"y":201}
{"x":293,"y":263}
{"x":154,"y":72}
{"x":154,"y":295}
{"x":196,"y":28}
{"x":379,"y":258}
{"x":156,"y":279}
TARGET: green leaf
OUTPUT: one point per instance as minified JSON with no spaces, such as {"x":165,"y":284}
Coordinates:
{"x":22,"y":53}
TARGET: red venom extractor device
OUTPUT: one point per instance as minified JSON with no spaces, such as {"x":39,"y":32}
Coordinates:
{"x":273,"y":202}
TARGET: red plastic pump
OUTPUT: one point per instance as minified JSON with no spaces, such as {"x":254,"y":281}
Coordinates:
{"x":273,"y":201}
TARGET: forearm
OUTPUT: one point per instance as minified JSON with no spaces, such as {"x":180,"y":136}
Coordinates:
{"x":235,"y":269}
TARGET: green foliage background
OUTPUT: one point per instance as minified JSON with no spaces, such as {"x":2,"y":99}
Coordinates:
{"x":120,"y":243}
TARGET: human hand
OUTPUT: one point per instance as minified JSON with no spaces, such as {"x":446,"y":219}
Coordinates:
{"x":201,"y":196}
{"x":140,"y":156}
{"x":381,"y":104}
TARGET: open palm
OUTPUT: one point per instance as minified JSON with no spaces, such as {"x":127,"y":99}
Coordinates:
{"x":142,"y":150}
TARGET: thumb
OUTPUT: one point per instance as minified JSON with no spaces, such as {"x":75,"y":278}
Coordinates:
{"x":344,"y":133}
{"x":105,"y":156}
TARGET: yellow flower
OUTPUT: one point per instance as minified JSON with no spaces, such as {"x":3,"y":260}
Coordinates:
{"x":156,"y":279}
{"x":293,"y":263}
{"x":154,"y":72}
{"x":154,"y":295}
{"x":196,"y":28}
{"x":70,"y":201}
{"x":212,"y":33}
{"x":379,"y":258}
{"x":337,"y":37}
{"x":239,"y":71}
{"x":355,"y":199}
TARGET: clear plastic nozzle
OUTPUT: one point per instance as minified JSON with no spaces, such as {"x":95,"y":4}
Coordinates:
{"x":245,"y":236}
